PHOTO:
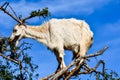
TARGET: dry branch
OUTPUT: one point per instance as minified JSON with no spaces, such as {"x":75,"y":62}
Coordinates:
{"x":67,"y":74}
{"x":7,"y":12}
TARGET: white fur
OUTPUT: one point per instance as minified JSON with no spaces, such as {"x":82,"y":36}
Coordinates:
{"x":59,"y":34}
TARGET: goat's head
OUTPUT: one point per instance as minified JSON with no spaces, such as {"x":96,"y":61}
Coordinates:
{"x":19,"y":30}
{"x":17,"y":34}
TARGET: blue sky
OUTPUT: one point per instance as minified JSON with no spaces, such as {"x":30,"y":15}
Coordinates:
{"x":103,"y":16}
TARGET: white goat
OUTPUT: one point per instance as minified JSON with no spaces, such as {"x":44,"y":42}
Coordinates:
{"x":57,"y":35}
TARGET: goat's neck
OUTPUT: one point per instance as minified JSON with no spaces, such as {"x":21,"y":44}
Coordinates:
{"x":39,"y":33}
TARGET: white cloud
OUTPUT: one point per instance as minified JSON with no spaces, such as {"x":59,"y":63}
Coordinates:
{"x":114,"y":27}
{"x":63,"y":6}
{"x":77,"y":7}
{"x":110,"y":29}
{"x":56,"y":7}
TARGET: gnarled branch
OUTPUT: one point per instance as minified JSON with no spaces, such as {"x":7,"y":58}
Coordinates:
{"x":67,"y":74}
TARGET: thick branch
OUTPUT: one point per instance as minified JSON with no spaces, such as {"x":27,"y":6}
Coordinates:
{"x":63,"y":71}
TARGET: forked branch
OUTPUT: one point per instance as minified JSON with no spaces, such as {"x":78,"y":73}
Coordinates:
{"x":4,"y":9}
{"x":67,"y":74}
{"x":37,"y":13}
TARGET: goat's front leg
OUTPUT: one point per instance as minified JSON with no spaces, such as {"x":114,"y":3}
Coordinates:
{"x":60,"y":58}
{"x":62,"y":62}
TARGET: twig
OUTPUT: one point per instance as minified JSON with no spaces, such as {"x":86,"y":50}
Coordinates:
{"x":10,"y":59}
{"x":93,"y":69}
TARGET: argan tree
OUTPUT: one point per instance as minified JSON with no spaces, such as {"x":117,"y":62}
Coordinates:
{"x":16,"y":63}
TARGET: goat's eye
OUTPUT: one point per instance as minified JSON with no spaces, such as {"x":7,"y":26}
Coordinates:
{"x":14,"y":30}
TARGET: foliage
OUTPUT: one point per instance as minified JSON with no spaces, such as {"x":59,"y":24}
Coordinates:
{"x":16,"y":64}
{"x":5,"y":73}
{"x":44,"y":12}
{"x":108,"y":75}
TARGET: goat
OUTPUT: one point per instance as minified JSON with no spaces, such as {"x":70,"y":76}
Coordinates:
{"x":57,"y":35}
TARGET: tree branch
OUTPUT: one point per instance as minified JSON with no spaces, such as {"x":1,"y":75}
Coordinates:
{"x":5,"y":11}
{"x":64,"y":71}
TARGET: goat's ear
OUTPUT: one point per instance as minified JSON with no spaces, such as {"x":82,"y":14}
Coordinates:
{"x":24,"y":25}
